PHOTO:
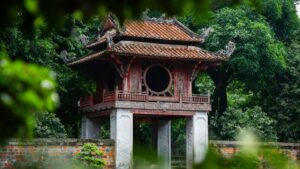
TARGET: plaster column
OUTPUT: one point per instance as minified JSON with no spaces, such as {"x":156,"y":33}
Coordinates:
{"x":90,"y":129}
{"x":196,"y":138}
{"x":164,"y":142}
{"x":121,"y":130}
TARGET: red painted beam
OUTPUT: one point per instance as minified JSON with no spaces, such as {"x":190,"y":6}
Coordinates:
{"x":162,"y":113}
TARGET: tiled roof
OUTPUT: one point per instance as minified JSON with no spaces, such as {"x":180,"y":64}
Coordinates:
{"x":150,"y":38}
{"x":154,"y":50}
{"x":167,"y":30}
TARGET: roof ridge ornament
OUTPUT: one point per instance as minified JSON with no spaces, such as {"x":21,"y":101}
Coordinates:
{"x":109,"y":23}
{"x":109,"y":38}
{"x":205,"y":32}
{"x":64,"y":56}
{"x":228,"y":51}
{"x":172,"y":20}
{"x":145,"y":15}
{"x":162,"y":19}
{"x":84,"y":39}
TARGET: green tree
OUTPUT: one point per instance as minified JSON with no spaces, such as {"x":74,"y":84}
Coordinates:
{"x":283,"y":105}
{"x":44,"y":49}
{"x":258,"y":56}
{"x":282,"y":16}
{"x":49,"y":126}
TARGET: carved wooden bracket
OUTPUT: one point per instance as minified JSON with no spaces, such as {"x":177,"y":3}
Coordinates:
{"x":195,"y":70}
{"x":118,"y":64}
{"x":121,"y":67}
{"x":116,"y":59}
{"x":128,"y":66}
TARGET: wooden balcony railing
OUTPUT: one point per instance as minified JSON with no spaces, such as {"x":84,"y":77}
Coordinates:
{"x":143,"y":97}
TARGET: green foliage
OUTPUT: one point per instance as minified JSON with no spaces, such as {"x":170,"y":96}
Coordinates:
{"x":258,"y":56}
{"x":91,"y":156}
{"x":250,"y":155}
{"x":21,"y":96}
{"x":280,"y":14}
{"x":37,"y":12}
{"x":283,"y":18}
{"x":178,"y":137}
{"x":43,"y":49}
{"x":236,"y":119}
{"x":271,"y":159}
{"x":239,"y":97}
{"x":49,"y":126}
{"x":283,"y":105}
{"x":142,"y":132}
{"x":203,"y":84}
{"x":214,"y":160}
{"x":145,"y":157}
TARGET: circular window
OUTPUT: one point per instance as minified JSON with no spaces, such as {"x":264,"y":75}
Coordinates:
{"x":157,"y":79}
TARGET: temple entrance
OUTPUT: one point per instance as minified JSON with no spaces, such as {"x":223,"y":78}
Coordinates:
{"x":153,"y":138}
{"x":135,"y":132}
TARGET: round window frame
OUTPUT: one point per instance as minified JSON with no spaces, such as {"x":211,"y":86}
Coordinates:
{"x":170,"y":79}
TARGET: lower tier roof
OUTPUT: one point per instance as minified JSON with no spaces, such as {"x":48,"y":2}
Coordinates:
{"x":153,"y":50}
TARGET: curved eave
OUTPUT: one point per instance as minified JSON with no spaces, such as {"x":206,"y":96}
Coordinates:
{"x":153,"y":51}
{"x":87,"y":58}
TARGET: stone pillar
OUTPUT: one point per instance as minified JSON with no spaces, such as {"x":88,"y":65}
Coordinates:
{"x":196,"y":138}
{"x":90,"y":129}
{"x":164,"y":142}
{"x":121,"y":130}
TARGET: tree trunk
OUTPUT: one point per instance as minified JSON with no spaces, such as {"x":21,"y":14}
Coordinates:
{"x":220,"y":78}
{"x":220,"y":99}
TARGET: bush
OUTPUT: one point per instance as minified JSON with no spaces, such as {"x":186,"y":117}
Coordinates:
{"x":235,"y":119}
{"x":91,"y":156}
{"x":49,"y":126}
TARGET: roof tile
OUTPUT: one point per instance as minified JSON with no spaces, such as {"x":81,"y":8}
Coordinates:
{"x":158,"y":30}
{"x":153,"y":50}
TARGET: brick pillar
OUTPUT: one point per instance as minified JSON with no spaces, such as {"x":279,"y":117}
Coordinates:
{"x":164,"y":142}
{"x":121,"y":130}
{"x":90,"y":129}
{"x":196,"y":138}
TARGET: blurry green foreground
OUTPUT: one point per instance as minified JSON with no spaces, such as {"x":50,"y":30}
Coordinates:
{"x":250,"y":156}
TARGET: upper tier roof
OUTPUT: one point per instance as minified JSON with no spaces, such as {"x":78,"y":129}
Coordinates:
{"x":162,"y":30}
{"x":150,"y":38}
